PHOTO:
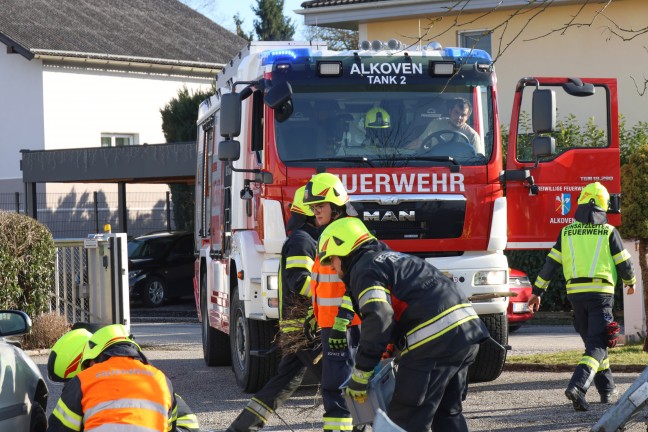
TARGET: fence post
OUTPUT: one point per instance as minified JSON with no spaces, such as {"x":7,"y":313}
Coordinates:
{"x":168,"y":210}
{"x":17,"y":194}
{"x":96,"y":211}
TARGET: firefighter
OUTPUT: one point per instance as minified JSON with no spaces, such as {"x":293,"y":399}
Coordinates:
{"x":64,"y":363}
{"x":116,"y":388}
{"x":297,"y":257}
{"x":591,"y":254}
{"x":327,"y":198}
{"x":405,"y":298}
{"x":377,"y":127}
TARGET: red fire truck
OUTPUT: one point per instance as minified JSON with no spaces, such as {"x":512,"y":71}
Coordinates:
{"x":378,"y":118}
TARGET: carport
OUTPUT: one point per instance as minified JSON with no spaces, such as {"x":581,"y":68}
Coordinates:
{"x":156,"y":163}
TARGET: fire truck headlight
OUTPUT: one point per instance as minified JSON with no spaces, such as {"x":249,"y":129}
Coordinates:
{"x":490,"y":277}
{"x":272,"y":282}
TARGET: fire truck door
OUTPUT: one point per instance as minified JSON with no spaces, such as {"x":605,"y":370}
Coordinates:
{"x":542,"y":192}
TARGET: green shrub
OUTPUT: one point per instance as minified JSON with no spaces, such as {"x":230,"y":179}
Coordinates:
{"x":27,"y":263}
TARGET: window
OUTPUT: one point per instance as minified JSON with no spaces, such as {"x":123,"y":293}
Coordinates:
{"x":117,"y":140}
{"x":480,"y":39}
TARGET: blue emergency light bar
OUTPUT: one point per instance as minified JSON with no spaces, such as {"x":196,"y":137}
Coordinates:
{"x":283,"y":55}
{"x":467,"y":53}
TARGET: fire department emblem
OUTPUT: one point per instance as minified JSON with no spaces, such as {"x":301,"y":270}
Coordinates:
{"x":564,"y":203}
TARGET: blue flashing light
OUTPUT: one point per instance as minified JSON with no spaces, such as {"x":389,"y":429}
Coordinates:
{"x":467,"y":53}
{"x":283,"y":55}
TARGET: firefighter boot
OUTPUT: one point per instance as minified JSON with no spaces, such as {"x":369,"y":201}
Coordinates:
{"x":577,"y":398}
{"x":246,"y":422}
{"x":609,"y":397}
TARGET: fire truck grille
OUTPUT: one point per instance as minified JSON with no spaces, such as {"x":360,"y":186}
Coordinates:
{"x":436,"y":219}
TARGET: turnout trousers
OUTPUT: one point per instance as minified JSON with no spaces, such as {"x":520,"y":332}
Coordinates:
{"x":592,"y":313}
{"x":290,"y":373}
{"x":429,"y":392}
{"x":336,"y":369}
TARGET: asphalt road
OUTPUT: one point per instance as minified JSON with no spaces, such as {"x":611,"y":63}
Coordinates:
{"x":517,"y":401}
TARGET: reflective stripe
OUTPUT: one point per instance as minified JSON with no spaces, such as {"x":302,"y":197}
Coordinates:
{"x":289,"y":326}
{"x":589,"y":362}
{"x":257,"y":407}
{"x":621,"y":256}
{"x":336,"y":301}
{"x":439,"y":325}
{"x":338,"y":424}
{"x":605,"y":364}
{"x":541,"y":283}
{"x":630,"y":281}
{"x":306,"y":289}
{"x":595,"y":259}
{"x":70,"y":419}
{"x":299,"y":262}
{"x":120,"y":427}
{"x":372,"y":294}
{"x":347,"y":303}
{"x":570,"y":242}
{"x":325,"y":277}
{"x":555,"y":255}
{"x":589,"y":287}
{"x":128,"y":404}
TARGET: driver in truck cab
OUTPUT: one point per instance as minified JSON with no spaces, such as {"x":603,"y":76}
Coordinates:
{"x":451,"y":128}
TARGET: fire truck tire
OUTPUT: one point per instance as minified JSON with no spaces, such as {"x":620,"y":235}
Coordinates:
{"x":216,"y":344}
{"x":251,"y":371}
{"x":491,"y":358}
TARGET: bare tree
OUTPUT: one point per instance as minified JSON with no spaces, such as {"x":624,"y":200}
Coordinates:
{"x":337,"y":39}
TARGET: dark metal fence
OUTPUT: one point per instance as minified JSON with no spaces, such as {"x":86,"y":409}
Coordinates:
{"x":75,"y":215}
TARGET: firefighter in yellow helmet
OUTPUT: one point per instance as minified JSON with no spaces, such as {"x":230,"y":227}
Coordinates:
{"x":327,"y":198}
{"x":405,"y":299}
{"x":297,"y":257}
{"x":64,"y":363}
{"x":115,"y":388}
{"x":377,"y":127}
{"x":591,"y":254}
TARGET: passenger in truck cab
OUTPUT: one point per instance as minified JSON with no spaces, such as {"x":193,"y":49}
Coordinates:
{"x":377,"y":127}
{"x":446,"y":133}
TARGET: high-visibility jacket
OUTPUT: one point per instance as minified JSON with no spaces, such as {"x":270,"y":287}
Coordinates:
{"x":590,"y":255}
{"x":120,"y":394}
{"x":404,"y":299}
{"x":327,"y":290}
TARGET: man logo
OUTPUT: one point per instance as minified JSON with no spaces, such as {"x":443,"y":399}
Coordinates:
{"x":389,"y":216}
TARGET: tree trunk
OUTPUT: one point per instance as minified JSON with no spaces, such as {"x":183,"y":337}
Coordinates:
{"x":643,"y":264}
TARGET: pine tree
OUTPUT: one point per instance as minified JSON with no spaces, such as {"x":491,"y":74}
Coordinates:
{"x":239,"y":28}
{"x":272,"y":24}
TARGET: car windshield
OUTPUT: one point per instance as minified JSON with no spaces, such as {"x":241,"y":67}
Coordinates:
{"x":149,"y":248}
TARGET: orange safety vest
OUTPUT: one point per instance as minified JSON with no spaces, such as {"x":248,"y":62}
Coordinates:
{"x":125,"y":391}
{"x":327,"y":289}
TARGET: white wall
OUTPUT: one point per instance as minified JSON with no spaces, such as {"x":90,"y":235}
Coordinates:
{"x":21,"y":111}
{"x":80,"y":105}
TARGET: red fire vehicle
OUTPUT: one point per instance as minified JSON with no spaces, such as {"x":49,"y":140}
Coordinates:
{"x":284,"y":111}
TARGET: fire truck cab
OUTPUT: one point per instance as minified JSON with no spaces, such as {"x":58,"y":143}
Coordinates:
{"x":381,"y":118}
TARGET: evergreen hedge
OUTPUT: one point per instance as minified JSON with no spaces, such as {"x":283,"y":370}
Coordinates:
{"x":27,"y":263}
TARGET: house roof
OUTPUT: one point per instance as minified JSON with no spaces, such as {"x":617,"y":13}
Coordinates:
{"x":324,"y":3}
{"x":151,"y":31}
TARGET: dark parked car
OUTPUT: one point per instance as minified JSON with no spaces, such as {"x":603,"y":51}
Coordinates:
{"x":161,"y":266}
{"x":23,"y":392}
{"x":518,"y":312}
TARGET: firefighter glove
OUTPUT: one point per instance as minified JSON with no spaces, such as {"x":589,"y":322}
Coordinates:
{"x":358,"y":384}
{"x":310,"y":325}
{"x":613,"y":330}
{"x":338,"y":338}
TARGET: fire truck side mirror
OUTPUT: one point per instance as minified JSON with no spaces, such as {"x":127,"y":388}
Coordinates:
{"x":543,"y":146}
{"x":230,"y":115}
{"x":615,"y":204}
{"x":543,"y":111}
{"x":263,"y":177}
{"x":229,"y":150}
{"x":279,"y":99}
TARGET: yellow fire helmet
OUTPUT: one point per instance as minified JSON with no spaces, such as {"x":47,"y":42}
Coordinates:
{"x":596,"y":194}
{"x":64,"y":361}
{"x":104,"y":338}
{"x":298,"y":205}
{"x":325,"y":187}
{"x":377,"y":118}
{"x":342,"y":237}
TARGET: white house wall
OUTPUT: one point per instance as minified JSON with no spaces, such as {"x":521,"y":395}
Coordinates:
{"x":21,"y":114}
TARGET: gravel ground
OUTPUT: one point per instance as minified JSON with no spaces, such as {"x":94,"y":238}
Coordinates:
{"x":517,"y":401}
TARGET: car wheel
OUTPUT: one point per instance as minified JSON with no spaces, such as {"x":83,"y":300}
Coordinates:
{"x":154,"y":292}
{"x":38,"y":420}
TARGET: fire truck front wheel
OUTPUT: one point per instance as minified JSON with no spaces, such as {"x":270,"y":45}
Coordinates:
{"x":216,"y":344}
{"x":492,"y":353}
{"x":247,"y":335}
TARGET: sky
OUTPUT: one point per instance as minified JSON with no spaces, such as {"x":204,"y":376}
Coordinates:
{"x":223,"y":11}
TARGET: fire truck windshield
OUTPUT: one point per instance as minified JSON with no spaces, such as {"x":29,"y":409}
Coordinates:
{"x":385,"y":126}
